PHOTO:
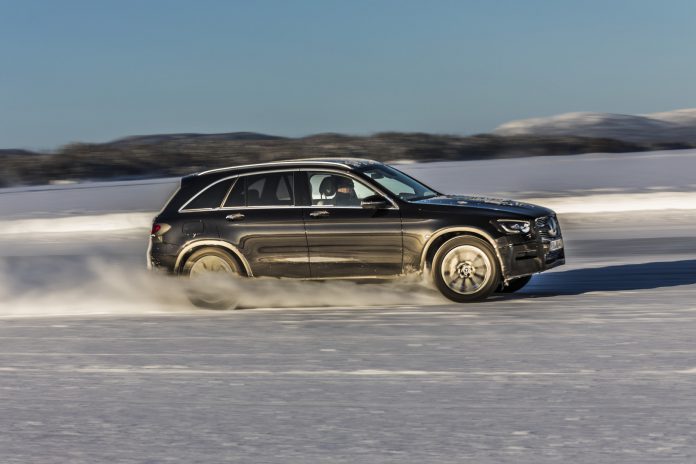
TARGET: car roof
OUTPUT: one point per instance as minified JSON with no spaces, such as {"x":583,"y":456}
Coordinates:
{"x":346,"y":163}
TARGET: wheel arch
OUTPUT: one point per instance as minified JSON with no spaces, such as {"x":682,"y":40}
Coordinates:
{"x":192,"y":246}
{"x":439,"y":237}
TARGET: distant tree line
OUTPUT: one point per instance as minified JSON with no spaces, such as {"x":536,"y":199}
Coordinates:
{"x":179,"y":154}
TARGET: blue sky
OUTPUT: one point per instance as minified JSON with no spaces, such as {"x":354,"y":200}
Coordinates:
{"x":97,"y":70}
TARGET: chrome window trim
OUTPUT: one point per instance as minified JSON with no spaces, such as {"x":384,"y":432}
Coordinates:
{"x":339,"y":207}
{"x":294,"y":192}
{"x":237,"y":176}
{"x":232,"y":208}
{"x":243,"y":208}
{"x":239,"y":208}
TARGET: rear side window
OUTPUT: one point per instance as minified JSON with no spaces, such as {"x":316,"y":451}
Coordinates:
{"x":211,"y":197}
{"x":273,"y":189}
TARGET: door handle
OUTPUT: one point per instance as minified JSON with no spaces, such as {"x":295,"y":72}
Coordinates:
{"x":235,"y":217}
{"x":318,"y":214}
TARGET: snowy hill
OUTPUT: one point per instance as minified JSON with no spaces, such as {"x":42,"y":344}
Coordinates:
{"x":670,"y":126}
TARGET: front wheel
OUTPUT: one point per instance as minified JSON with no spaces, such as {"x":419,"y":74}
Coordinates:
{"x":466,"y":269}
{"x":210,"y":271}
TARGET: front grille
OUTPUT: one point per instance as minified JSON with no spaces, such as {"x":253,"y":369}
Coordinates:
{"x":547,"y":227}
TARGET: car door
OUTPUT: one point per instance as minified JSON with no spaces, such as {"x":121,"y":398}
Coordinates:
{"x":345,"y":239}
{"x":259,"y":217}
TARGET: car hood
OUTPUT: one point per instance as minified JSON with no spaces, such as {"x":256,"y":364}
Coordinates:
{"x":492,"y":204}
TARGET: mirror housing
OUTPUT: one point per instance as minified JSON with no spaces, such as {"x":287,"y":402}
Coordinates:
{"x":374,"y":202}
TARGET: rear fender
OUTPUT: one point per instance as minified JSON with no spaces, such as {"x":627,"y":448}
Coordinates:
{"x":191,"y":246}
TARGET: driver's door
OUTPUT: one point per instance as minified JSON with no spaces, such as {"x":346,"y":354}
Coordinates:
{"x":347,"y":240}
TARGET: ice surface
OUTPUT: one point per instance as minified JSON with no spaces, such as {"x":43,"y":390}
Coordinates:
{"x":592,"y":362}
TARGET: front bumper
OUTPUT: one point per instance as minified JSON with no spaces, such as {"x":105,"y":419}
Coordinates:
{"x":523,"y":259}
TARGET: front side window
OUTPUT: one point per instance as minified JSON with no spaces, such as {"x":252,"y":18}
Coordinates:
{"x":329,"y":189}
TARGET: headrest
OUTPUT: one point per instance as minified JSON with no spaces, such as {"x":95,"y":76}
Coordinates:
{"x":327,"y":187}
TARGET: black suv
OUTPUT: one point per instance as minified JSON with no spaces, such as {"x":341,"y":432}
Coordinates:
{"x":349,"y":219}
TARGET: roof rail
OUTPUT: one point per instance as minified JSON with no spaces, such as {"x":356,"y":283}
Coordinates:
{"x":343,"y":162}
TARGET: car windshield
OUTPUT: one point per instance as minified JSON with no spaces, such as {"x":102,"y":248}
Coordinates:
{"x":398,"y":183}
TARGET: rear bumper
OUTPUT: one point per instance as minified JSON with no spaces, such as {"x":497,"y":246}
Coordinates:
{"x":161,"y":257}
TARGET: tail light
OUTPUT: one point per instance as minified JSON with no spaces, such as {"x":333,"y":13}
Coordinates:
{"x":159,"y":229}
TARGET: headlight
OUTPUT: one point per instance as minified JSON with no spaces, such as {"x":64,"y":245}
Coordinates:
{"x":512,"y":226}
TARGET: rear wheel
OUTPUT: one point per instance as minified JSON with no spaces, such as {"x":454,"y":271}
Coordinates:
{"x":514,"y":285}
{"x":466,"y":269}
{"x":210,"y":271}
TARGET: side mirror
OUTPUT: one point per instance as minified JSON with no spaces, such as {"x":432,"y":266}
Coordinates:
{"x":374,"y":202}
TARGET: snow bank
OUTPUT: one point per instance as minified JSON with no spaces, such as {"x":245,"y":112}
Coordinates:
{"x":79,"y":224}
{"x":620,"y":202}
{"x":593,"y":183}
{"x":593,"y":203}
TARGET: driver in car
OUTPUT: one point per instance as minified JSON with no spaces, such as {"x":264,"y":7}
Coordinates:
{"x":345,"y":192}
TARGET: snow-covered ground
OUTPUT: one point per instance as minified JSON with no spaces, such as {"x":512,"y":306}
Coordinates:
{"x":591,"y":183}
{"x":592,"y":362}
{"x":57,"y":239}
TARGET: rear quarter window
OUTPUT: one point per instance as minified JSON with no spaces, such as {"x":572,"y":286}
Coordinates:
{"x":210,"y":197}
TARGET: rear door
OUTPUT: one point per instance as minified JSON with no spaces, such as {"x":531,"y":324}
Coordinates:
{"x":259,"y":217}
{"x":345,"y":239}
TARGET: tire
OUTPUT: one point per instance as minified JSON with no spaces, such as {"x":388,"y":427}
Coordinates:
{"x":514,"y":285}
{"x":204,"y":269}
{"x":465,"y":269}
